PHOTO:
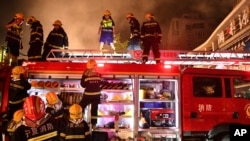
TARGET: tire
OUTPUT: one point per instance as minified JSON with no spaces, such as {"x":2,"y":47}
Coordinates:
{"x":222,"y":137}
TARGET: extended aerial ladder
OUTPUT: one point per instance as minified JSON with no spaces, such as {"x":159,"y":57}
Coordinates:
{"x":206,"y":59}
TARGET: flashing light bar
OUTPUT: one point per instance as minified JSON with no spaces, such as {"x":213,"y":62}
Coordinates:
{"x":100,"y":65}
{"x":167,"y":66}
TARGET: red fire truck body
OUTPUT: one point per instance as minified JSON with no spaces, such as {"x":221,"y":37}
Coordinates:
{"x":207,"y":100}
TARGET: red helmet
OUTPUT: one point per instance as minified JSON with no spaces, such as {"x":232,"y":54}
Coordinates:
{"x":34,"y":108}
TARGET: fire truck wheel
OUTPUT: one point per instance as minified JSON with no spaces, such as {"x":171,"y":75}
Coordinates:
{"x":222,"y":137}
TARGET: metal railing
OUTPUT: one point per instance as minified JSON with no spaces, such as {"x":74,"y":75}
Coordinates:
{"x":167,"y":56}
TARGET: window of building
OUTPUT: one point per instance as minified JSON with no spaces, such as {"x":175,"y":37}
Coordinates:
{"x":188,"y":27}
{"x":198,"y":26}
{"x":207,"y":86}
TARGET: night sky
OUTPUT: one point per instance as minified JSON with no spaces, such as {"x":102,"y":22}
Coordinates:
{"x":81,"y":18}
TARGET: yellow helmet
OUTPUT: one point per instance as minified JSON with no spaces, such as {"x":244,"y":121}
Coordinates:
{"x":19,"y":16}
{"x":91,"y":64}
{"x":75,"y":111}
{"x":17,"y":70}
{"x":57,"y":22}
{"x":107,"y":13}
{"x":148,"y":15}
{"x":30,"y":20}
{"x":18,"y":115}
{"x":129,"y":15}
{"x":52,"y":98}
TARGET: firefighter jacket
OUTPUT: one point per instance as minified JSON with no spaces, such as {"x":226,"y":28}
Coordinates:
{"x":107,"y":26}
{"x":151,"y":29}
{"x":91,"y":81}
{"x":18,"y":90}
{"x":36,"y":34}
{"x":36,"y":41}
{"x":134,"y":27}
{"x":14,"y":33}
{"x":77,"y":130}
{"x":57,"y":39}
{"x":46,"y":129}
{"x":12,"y":126}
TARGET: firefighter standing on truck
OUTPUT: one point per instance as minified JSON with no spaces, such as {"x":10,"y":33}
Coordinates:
{"x":36,"y":39}
{"x":134,"y":41}
{"x":57,"y":39}
{"x":13,"y":38}
{"x":75,"y":128}
{"x":151,"y":37}
{"x":91,"y":81}
{"x":107,"y":30}
{"x":37,"y":126}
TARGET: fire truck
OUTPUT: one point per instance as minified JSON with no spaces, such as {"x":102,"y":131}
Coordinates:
{"x":189,"y":96}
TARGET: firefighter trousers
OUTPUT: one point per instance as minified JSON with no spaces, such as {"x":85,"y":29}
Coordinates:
{"x":94,"y":100}
{"x":149,"y":43}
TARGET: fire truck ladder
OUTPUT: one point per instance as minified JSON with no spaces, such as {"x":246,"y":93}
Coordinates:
{"x":168,"y":57}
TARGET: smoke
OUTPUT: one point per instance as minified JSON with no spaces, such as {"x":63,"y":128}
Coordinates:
{"x":81,"y":18}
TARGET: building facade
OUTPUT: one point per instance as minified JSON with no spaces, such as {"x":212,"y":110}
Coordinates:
{"x":189,"y":31}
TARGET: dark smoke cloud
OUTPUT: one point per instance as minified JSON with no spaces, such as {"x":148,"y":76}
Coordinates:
{"x":81,"y":18}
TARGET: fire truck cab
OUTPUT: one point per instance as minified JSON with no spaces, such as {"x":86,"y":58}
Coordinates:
{"x":212,"y":100}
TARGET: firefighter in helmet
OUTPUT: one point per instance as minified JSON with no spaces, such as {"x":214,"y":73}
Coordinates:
{"x":91,"y":81}
{"x":107,"y":30}
{"x":36,"y":39}
{"x":57,"y":39}
{"x":37,"y":124}
{"x":18,"y":89}
{"x":76,"y":127}
{"x":13,"y":38}
{"x":54,"y":105}
{"x":17,"y":93}
{"x":134,"y":42}
{"x":151,"y":38}
{"x":15,"y":122}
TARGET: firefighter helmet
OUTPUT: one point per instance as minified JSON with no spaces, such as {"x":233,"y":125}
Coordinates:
{"x":57,"y":22}
{"x":148,"y":15}
{"x":129,"y":15}
{"x":107,"y":13}
{"x":91,"y":64}
{"x":18,"y":115}
{"x":52,"y":98}
{"x":75,"y":111}
{"x":17,"y":70}
{"x":19,"y":16}
{"x":34,"y":108}
{"x":30,"y":20}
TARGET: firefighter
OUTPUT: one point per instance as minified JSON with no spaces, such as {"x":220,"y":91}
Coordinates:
{"x":134,"y":42}
{"x":17,"y":90}
{"x":76,"y":128}
{"x":57,"y":39}
{"x":107,"y":30}
{"x":17,"y":93}
{"x":91,"y":81}
{"x":13,"y":38}
{"x":151,"y":37}
{"x":15,"y":122}
{"x":37,"y":124}
{"x":36,"y":39}
{"x":54,"y":105}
